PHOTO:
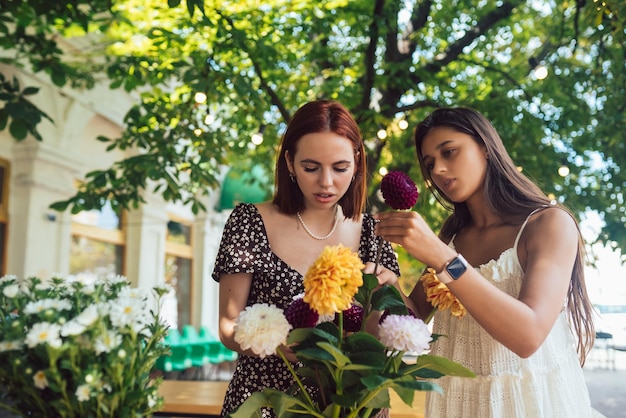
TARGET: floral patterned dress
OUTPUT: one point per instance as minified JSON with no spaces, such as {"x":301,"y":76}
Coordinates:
{"x":245,"y":249}
{"x":548,"y":384}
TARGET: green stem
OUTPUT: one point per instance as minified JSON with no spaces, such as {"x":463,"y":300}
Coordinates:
{"x":338,"y":374}
{"x":371,"y":395}
{"x":295,"y":376}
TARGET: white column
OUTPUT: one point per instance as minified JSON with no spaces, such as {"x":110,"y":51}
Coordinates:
{"x":38,"y":237}
{"x":208,"y":233}
{"x":146,"y":231}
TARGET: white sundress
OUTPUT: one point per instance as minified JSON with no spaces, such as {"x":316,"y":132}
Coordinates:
{"x":548,"y":384}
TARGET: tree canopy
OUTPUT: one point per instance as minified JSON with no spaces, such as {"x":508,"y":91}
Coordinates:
{"x":388,"y":61}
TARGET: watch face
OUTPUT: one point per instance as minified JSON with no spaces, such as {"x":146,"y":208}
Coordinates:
{"x":456,"y":268}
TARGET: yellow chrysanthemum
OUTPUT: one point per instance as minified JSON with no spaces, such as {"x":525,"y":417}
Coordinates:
{"x":333,"y":280}
{"x":440,"y":296}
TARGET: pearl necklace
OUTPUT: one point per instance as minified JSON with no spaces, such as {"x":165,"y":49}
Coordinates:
{"x":311,"y":234}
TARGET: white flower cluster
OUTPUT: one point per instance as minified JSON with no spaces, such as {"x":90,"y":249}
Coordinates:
{"x":261,"y":328}
{"x":81,"y":323}
{"x":405,"y":333}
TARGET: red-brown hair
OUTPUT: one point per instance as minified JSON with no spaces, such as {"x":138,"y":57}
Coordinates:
{"x":314,"y":117}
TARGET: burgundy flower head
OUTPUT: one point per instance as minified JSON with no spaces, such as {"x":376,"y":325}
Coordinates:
{"x":300,"y":315}
{"x":399,"y":191}
{"x":352,"y":318}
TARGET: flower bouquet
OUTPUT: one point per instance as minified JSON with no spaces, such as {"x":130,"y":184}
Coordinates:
{"x":343,"y":370}
{"x":75,"y":349}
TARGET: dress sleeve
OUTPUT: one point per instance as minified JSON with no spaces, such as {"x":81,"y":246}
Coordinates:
{"x":243,"y":242}
{"x":369,"y":246}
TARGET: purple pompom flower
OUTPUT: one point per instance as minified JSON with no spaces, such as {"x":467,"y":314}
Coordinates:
{"x":399,"y":191}
{"x":352,"y":318}
{"x":300,"y":315}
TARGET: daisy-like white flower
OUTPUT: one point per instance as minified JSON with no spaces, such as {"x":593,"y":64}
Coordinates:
{"x":126,"y":311}
{"x":405,"y":333}
{"x":113,"y":280}
{"x":11,"y":291}
{"x":440,"y":296}
{"x":72,"y":327}
{"x":11,"y":345}
{"x":39,"y":306}
{"x":11,"y":278}
{"x":78,"y":325}
{"x":133,"y":293}
{"x":44,"y":333}
{"x":40,"y":380}
{"x":107,"y":341}
{"x":261,"y":328}
{"x":333,"y":280}
{"x":83,"y":392}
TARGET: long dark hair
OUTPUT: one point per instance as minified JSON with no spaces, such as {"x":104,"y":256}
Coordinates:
{"x":510,"y":194}
{"x":313,"y":117}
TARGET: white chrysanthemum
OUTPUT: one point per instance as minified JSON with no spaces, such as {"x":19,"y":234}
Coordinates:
{"x":113,"y":280}
{"x":107,"y":341}
{"x":8,"y":278}
{"x":126,"y":311}
{"x":88,"y":316}
{"x":134,"y":293}
{"x":45,"y":304}
{"x":11,"y":345}
{"x":83,"y":392}
{"x":11,"y":291}
{"x":405,"y":333}
{"x":44,"y":333}
{"x":72,"y":327}
{"x":261,"y":328}
{"x":40,"y":380}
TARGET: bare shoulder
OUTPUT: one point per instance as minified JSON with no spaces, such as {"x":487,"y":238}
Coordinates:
{"x":550,"y":234}
{"x":266,"y":209}
{"x":551,"y":224}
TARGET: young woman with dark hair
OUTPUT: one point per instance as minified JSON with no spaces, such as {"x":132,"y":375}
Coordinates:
{"x":520,"y":277}
{"x":319,"y":199}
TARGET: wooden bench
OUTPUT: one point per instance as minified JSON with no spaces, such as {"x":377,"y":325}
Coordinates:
{"x":196,"y":398}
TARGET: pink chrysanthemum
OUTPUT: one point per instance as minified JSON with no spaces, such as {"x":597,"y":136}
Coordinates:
{"x":352,"y":318}
{"x":399,"y":191}
{"x":405,"y":333}
{"x":300,"y":315}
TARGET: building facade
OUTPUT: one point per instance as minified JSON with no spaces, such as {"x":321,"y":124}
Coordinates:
{"x":159,"y":243}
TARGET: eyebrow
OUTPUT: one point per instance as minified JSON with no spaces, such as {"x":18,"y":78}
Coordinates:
{"x":438,"y":147}
{"x":309,"y":161}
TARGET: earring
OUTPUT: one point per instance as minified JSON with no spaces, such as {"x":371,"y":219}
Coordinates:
{"x":292,"y":177}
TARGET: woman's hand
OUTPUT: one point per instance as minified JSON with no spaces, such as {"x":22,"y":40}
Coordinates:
{"x":410,"y":230}
{"x":384,"y":275}
{"x":288,"y":353}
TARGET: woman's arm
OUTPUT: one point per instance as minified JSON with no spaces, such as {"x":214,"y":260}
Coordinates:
{"x":233,"y":297}
{"x":547,"y":252}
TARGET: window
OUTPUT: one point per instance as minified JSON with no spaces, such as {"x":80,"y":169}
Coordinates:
{"x":97,"y":247}
{"x":178,"y":274}
{"x":4,"y":202}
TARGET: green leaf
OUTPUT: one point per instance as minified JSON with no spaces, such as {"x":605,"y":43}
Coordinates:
{"x":252,"y":406}
{"x":4,"y":117}
{"x":340,"y":359}
{"x":389,"y":298}
{"x":442,"y":365}
{"x":30,"y":91}
{"x":18,"y":128}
